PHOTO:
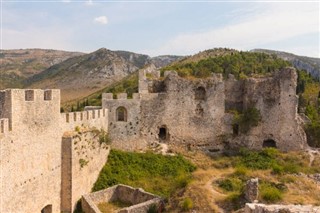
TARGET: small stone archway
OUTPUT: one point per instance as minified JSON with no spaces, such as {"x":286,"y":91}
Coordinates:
{"x":200,"y":93}
{"x":269,"y":143}
{"x":121,"y":114}
{"x":47,"y":209}
{"x":163,"y":133}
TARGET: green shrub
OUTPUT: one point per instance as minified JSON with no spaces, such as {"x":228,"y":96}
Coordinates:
{"x":241,"y":171}
{"x":83,"y":162}
{"x":187,"y":204}
{"x":153,"y":209}
{"x":264,"y":159}
{"x":270,"y":193}
{"x":231,"y":184}
{"x":247,"y":119}
{"x":155,"y":173}
{"x":104,"y":137}
{"x":277,"y":169}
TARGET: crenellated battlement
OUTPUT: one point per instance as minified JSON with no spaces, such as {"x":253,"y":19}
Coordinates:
{"x":93,"y":118}
{"x":120,"y":96}
{"x":71,"y":117}
{"x":30,"y":95}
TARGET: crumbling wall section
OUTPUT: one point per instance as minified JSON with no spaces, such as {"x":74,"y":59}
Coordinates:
{"x":186,"y":118}
{"x":275,"y":97}
{"x":84,"y":154}
{"x":139,"y":199}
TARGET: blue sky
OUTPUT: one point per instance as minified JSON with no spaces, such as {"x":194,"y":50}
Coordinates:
{"x":159,"y":27}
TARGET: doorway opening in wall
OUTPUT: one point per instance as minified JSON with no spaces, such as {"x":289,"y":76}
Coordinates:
{"x":47,"y":209}
{"x":200,"y":94}
{"x":121,"y":114}
{"x":163,"y":133}
{"x":235,"y":129}
{"x":269,"y":143}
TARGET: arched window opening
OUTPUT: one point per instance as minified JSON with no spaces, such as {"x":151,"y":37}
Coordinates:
{"x":200,"y":93}
{"x":163,"y":133}
{"x":121,"y":114}
{"x":269,"y":143}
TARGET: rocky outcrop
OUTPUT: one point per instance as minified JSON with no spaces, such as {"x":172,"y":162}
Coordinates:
{"x":263,"y":208}
{"x":252,"y":190}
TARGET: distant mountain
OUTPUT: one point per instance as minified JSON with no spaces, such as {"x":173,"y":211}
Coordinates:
{"x":82,"y":75}
{"x":164,"y":60}
{"x":18,"y":65}
{"x":311,"y":65}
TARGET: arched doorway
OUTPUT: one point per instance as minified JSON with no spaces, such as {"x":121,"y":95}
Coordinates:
{"x":163,"y":133}
{"x":269,"y":143}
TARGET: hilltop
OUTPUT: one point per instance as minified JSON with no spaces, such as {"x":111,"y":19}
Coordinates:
{"x":310,"y":65}
{"x":76,"y":74}
{"x":18,"y":65}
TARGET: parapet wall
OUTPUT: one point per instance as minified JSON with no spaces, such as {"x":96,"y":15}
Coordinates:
{"x":91,"y":118}
{"x":139,"y":199}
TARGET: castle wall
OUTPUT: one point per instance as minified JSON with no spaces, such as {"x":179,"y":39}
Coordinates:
{"x":30,"y":152}
{"x":97,"y":118}
{"x":125,"y":134}
{"x":83,"y":156}
{"x":277,"y":101}
{"x":31,"y":130}
{"x":188,"y":119}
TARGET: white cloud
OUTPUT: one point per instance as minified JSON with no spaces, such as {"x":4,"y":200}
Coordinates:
{"x":89,"y":2}
{"x":271,"y":23}
{"x":101,"y":20}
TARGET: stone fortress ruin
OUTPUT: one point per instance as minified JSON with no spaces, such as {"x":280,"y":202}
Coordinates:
{"x":198,"y":112}
{"x":49,"y":159}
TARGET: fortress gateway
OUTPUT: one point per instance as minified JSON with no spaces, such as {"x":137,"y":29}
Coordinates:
{"x":49,"y":159}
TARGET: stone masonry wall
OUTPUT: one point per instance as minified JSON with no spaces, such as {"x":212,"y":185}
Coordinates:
{"x":191,"y":111}
{"x":276,"y":99}
{"x":31,"y":130}
{"x":124,"y":134}
{"x":83,"y":156}
{"x":139,"y":199}
{"x":31,"y":152}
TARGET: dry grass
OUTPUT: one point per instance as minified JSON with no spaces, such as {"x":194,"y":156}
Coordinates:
{"x":112,"y":207}
{"x":207,"y":196}
{"x":302,"y":191}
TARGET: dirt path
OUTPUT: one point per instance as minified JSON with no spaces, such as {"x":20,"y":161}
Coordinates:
{"x":214,"y":192}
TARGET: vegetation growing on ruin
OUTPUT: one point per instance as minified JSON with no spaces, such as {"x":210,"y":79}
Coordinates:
{"x":308,"y":90}
{"x":240,"y":64}
{"x":247,"y":119}
{"x":155,"y":173}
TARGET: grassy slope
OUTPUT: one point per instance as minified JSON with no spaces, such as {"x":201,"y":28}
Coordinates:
{"x":217,"y":182}
{"x":155,"y":173}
